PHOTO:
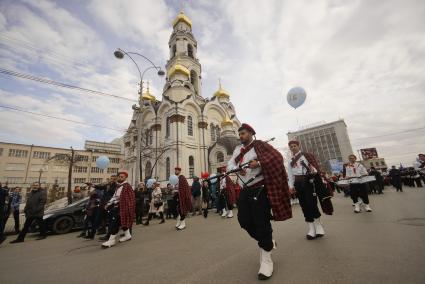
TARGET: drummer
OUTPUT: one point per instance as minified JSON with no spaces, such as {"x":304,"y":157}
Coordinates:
{"x":353,"y":172}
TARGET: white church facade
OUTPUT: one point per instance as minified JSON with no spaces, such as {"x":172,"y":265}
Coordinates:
{"x":183,"y":128}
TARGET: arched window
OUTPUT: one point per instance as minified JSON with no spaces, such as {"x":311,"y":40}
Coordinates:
{"x":150,"y":136}
{"x":190,"y":50}
{"x":147,"y":137}
{"x":191,"y":167}
{"x":217,"y":133}
{"x":167,"y":127}
{"x":167,"y":168}
{"x":220,"y":157}
{"x":148,"y":170}
{"x":194,"y":79}
{"x":174,"y":50}
{"x":189,"y":126}
{"x":212,"y":130}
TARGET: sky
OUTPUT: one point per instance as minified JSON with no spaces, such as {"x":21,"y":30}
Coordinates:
{"x":358,"y":60}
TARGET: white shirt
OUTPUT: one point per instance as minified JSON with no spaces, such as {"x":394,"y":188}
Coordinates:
{"x":116,"y":197}
{"x":355,"y":170}
{"x":298,"y":169}
{"x":249,"y":156}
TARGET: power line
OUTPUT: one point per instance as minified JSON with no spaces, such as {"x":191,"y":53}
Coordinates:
{"x":59,"y":84}
{"x":390,"y":134}
{"x":60,"y":118}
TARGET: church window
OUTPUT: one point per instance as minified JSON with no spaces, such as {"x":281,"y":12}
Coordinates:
{"x":167,"y":127}
{"x":148,"y":170}
{"x":174,"y":50}
{"x":191,"y":167}
{"x":167,"y":168}
{"x":220,"y":157}
{"x":190,"y":50}
{"x":189,"y":126}
{"x":212,"y":130}
{"x":217,"y":129}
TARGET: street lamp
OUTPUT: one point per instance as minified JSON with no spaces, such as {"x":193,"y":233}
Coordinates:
{"x":119,"y":54}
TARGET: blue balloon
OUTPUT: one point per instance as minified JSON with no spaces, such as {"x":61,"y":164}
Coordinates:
{"x":174,"y":180}
{"x":102,"y":162}
{"x":296,"y":97}
{"x":150,"y":182}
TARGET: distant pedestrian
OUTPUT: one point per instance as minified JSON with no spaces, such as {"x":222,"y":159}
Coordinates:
{"x":34,"y":212}
{"x":15,"y":202}
{"x":139,"y":195}
{"x":196,"y":196}
{"x":156,"y":205}
{"x":3,"y":197}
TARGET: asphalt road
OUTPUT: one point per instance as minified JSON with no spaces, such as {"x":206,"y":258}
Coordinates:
{"x":385,"y":246}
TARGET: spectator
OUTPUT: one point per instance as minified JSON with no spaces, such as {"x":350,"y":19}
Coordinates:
{"x":3,"y":196}
{"x":196,"y":195}
{"x":15,"y":201}
{"x":34,"y":211}
{"x":156,"y":205}
{"x":138,"y":194}
{"x":171,"y":205}
{"x":205,"y":197}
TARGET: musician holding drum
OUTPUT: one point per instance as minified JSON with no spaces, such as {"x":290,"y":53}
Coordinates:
{"x":357,"y":177}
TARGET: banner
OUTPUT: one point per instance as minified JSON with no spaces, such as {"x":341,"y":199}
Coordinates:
{"x":369,"y":153}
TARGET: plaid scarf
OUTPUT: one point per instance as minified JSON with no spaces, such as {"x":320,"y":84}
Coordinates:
{"x":127,"y":205}
{"x":185,"y":201}
{"x":275,"y":180}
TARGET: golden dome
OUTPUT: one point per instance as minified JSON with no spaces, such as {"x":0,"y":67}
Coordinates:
{"x":148,"y":96}
{"x":181,"y":17}
{"x":178,"y":68}
{"x":227,"y":122}
{"x":221,"y":93}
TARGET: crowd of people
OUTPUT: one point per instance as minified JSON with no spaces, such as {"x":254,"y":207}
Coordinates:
{"x":256,"y":181}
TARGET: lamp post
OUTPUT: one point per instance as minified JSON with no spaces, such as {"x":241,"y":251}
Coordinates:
{"x":119,"y":54}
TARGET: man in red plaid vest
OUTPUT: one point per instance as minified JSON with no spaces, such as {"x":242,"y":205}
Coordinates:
{"x":265,"y":189}
{"x":122,"y":207}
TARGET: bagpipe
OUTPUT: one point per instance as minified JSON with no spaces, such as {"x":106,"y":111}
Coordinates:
{"x":320,"y":190}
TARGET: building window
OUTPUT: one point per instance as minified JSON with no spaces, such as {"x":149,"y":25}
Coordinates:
{"x":148,"y":170}
{"x":220,"y":157}
{"x":371,"y":164}
{"x":40,"y":155}
{"x":382,"y":163}
{"x":82,"y":158}
{"x":96,"y":180}
{"x":150,"y":136}
{"x":167,"y":127}
{"x":112,"y":170}
{"x":78,"y":169}
{"x":94,"y":158}
{"x":189,"y":126}
{"x":96,"y":170}
{"x":15,"y":167}
{"x":191,"y":167}
{"x":377,"y":163}
{"x":1,"y":151}
{"x":167,"y":168}
{"x":79,"y":180}
{"x":18,"y":153}
{"x":114,"y":160}
{"x":212,"y":130}
{"x":190,"y":50}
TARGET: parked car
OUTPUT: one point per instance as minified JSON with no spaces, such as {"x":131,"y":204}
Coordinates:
{"x":63,"y":220}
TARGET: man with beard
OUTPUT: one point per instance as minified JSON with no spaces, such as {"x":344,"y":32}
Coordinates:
{"x":265,"y":188}
{"x":122,"y":207}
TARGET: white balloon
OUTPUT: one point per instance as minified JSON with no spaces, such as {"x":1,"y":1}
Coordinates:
{"x":296,"y":97}
{"x":150,"y":182}
{"x":102,"y":162}
{"x":174,"y":180}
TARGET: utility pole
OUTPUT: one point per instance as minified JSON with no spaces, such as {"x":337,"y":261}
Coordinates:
{"x":71,"y":164}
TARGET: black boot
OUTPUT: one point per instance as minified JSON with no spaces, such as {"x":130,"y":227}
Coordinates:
{"x":161,"y":215}
{"x":82,"y":235}
{"x":205,"y":213}
{"x":147,"y":221}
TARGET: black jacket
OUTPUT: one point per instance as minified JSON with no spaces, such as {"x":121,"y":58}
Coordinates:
{"x":36,"y":201}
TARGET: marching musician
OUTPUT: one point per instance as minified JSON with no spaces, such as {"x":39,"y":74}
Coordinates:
{"x":184,"y":202}
{"x":305,"y":179}
{"x":353,"y":171}
{"x":265,"y":187}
